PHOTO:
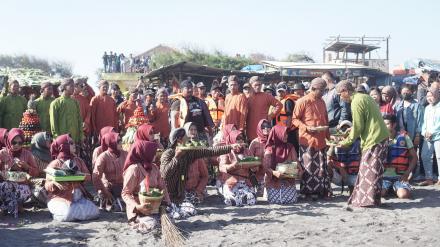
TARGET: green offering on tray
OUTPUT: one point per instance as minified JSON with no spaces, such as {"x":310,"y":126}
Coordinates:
{"x":249,"y":159}
{"x":59,"y":175}
{"x":193,"y":145}
{"x":14,"y":176}
{"x":153,"y":192}
{"x":289,"y":169}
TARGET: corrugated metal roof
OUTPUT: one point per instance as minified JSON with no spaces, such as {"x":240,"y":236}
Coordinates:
{"x":291,"y":65}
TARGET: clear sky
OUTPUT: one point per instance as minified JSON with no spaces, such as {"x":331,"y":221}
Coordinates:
{"x":80,"y":31}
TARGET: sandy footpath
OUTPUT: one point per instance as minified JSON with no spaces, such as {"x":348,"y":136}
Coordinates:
{"x":413,"y":222}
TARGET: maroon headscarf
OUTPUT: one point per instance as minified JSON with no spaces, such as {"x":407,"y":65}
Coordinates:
{"x":143,"y":133}
{"x":105,"y":130}
{"x":110,"y":140}
{"x":141,"y":152}
{"x":60,"y":148}
{"x":3,"y":137}
{"x":261,"y":137}
{"x":232,"y":137}
{"x":226,"y":130}
{"x":14,"y":132}
{"x":280,"y":149}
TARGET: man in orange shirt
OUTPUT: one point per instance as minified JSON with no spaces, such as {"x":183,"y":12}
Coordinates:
{"x":103,"y":110}
{"x":126,"y":108}
{"x":160,"y":119}
{"x":310,"y":117}
{"x":236,"y":106}
{"x":258,"y":105}
{"x":84,"y":104}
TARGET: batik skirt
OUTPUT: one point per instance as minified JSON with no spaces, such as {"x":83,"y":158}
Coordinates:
{"x":368,"y":187}
{"x":12,"y":195}
{"x":240,"y":195}
{"x":313,"y":163}
{"x":285,"y":194}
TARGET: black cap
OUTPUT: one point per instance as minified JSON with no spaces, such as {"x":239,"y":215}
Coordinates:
{"x":200,"y":84}
{"x":186,"y":83}
{"x":216,"y":86}
{"x":299,"y":86}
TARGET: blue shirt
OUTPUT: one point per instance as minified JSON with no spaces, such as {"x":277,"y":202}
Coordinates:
{"x":410,"y":118}
{"x":431,"y":121}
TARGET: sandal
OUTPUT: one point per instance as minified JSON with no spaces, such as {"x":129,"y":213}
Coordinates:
{"x":426,"y":183}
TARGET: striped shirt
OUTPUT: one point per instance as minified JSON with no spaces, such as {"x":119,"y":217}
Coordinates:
{"x":174,"y":171}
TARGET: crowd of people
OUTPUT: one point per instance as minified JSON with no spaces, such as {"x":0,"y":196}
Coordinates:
{"x":367,"y":139}
{"x":114,"y":63}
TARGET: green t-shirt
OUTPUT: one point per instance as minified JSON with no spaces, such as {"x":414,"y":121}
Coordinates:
{"x":368,"y":122}
{"x":65,"y":118}
{"x":42,"y":106}
{"x":11,"y":110}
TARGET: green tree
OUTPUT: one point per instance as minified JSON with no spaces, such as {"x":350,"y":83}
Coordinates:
{"x":300,"y":57}
{"x":31,"y":62}
{"x":217,"y":59}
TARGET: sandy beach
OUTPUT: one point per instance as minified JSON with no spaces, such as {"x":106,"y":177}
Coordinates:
{"x":412,"y":222}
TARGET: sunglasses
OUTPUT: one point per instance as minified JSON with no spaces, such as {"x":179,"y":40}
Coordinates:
{"x":265,"y":126}
{"x":16,"y":143}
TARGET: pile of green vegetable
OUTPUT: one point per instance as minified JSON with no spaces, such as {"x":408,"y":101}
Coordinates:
{"x":153,"y":192}
{"x":250,"y":159}
{"x":17,"y":176}
{"x":193,"y":144}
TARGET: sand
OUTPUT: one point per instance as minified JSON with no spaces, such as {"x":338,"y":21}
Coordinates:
{"x":412,"y":222}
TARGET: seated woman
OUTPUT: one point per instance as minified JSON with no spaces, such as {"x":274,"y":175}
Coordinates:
{"x":15,"y":158}
{"x":197,"y":173}
{"x":40,"y":148}
{"x":107,"y":173}
{"x":67,"y":200}
{"x":280,"y":190}
{"x":40,"y":145}
{"x":238,"y":184}
{"x":140,"y":171}
{"x":257,"y":148}
{"x":175,"y":164}
{"x":145,"y":132}
{"x":98,"y":150}
{"x":220,"y":138}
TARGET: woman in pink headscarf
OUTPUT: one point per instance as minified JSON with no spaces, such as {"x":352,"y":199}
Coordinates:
{"x":140,"y":173}
{"x":280,"y":190}
{"x":107,"y":173}
{"x":220,"y":138}
{"x":98,"y":150}
{"x":67,"y":200}
{"x":238,"y":182}
{"x":145,"y":132}
{"x":257,"y":147}
{"x":14,"y":158}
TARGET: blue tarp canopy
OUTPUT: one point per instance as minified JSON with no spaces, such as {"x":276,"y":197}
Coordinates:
{"x":411,"y":80}
{"x":423,"y":64}
{"x":254,"y":68}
